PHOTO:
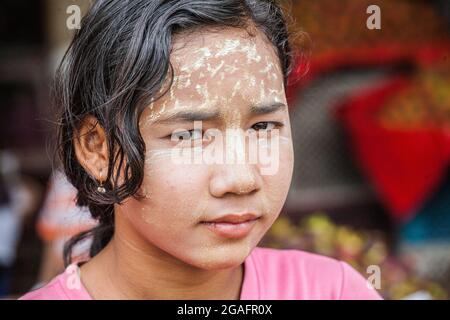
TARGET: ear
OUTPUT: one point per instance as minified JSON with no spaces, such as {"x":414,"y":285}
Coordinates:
{"x":91,"y":148}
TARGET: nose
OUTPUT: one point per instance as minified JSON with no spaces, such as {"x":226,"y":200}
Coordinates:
{"x":238,"y":179}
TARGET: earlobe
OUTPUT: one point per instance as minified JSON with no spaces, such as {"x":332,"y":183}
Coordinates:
{"x":91,"y":148}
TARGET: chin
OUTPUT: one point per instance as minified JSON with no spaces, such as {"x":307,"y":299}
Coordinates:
{"x":219,"y":264}
{"x":222,"y":257}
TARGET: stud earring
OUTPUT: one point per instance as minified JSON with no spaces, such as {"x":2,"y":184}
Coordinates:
{"x":101,"y":188}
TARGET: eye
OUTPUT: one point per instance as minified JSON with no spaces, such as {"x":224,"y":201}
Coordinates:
{"x":266,"y":125}
{"x":193,"y":134}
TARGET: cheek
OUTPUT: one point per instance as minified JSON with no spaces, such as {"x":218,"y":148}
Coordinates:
{"x":276,"y":186}
{"x":286,"y":163}
{"x":173,"y":194}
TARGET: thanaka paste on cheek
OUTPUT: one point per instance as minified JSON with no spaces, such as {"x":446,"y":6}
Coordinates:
{"x":155,"y":160}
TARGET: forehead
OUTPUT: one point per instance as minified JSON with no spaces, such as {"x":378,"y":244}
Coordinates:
{"x":199,"y":51}
{"x":221,"y":67}
{"x":225,"y":54}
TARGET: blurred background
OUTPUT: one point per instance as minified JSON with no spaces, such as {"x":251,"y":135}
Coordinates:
{"x":370,"y":114}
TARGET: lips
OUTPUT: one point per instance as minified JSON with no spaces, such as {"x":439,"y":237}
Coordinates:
{"x":232,"y":226}
{"x":235,"y":218}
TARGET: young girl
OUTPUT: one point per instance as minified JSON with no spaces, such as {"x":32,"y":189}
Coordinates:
{"x":147,"y":82}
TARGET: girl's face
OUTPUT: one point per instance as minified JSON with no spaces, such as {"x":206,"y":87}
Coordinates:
{"x":232,"y":85}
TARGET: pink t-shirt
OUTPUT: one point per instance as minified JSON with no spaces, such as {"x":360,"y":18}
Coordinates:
{"x":270,"y":274}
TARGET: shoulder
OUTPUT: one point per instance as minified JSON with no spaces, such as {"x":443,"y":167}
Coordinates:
{"x":65,"y":286}
{"x":53,"y":290}
{"x":296,"y":274}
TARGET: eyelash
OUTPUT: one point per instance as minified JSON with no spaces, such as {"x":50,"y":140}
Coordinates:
{"x":275,"y":123}
{"x":190,"y":132}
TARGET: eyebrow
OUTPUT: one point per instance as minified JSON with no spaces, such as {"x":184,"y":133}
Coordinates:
{"x":206,"y":115}
{"x":189,"y":116}
{"x":266,"y":108}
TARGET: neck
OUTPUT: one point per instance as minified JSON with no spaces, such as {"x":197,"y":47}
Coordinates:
{"x":131,"y":268}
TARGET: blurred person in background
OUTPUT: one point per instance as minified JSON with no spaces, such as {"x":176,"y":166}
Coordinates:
{"x":7,"y":217}
{"x":15,"y":201}
{"x":59,"y":220}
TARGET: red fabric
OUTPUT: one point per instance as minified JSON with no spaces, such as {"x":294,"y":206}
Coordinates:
{"x":405,"y":166}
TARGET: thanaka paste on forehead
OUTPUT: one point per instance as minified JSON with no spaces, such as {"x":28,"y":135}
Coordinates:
{"x":229,"y":46}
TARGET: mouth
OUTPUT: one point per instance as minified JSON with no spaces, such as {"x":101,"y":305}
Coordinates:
{"x":232,"y":226}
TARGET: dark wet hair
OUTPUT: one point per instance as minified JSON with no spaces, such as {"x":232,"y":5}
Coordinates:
{"x":115,"y":65}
